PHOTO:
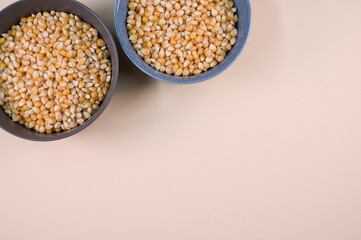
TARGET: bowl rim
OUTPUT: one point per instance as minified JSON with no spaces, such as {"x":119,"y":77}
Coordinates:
{"x":115,"y":74}
{"x":170,"y":78}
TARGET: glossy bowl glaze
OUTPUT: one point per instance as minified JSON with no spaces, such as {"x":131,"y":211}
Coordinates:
{"x":12,"y":14}
{"x":243,"y":26}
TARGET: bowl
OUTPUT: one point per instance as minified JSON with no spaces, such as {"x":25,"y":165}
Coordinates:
{"x":243,"y":26}
{"x":12,"y":14}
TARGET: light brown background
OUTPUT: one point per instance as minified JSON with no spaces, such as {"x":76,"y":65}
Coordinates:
{"x":270,"y":149}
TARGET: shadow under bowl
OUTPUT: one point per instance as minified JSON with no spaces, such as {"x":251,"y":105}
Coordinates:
{"x":12,"y":14}
{"x":243,"y":26}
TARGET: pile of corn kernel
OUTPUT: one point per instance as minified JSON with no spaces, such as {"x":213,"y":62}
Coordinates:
{"x":182,"y":37}
{"x":54,"y":71}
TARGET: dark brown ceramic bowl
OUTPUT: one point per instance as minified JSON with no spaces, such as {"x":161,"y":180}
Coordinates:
{"x":12,"y":14}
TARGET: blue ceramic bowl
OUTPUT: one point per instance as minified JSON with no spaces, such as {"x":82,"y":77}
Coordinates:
{"x":23,"y":8}
{"x":244,"y":14}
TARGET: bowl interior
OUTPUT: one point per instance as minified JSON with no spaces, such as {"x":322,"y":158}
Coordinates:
{"x":244,"y":14}
{"x":12,"y":15}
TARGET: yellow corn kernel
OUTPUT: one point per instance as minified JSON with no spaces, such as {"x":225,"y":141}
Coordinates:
{"x":82,"y":99}
{"x":2,"y":66}
{"x":145,"y":19}
{"x":100,"y":42}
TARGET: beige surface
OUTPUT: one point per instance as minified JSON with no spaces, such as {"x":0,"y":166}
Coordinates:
{"x":269,"y":150}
